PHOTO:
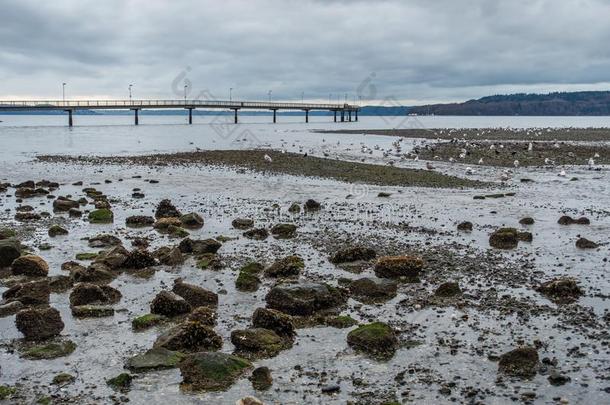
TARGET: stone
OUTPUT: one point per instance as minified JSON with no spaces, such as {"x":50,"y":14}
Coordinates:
{"x":340,"y":322}
{"x":63,"y":204}
{"x":30,"y":266}
{"x":139,"y":221}
{"x":274,"y":320}
{"x":154,"y":359}
{"x":199,"y":247}
{"x":139,"y":259}
{"x":311,"y":205}
{"x":27,"y":216}
{"x":504,"y":238}
{"x":257,"y":234}
{"x":521,"y":362}
{"x":189,"y":337}
{"x":95,"y":273}
{"x":39,"y":324}
{"x":56,"y":230}
{"x":48,"y":350}
{"x":304,"y":299}
{"x":284,"y":231}
{"x":147,"y":321}
{"x":261,"y":378}
{"x":568,"y":220}
{"x":247,"y":279}
{"x":527,"y":221}
{"x":10,"y":249}
{"x":558,"y":379}
{"x":63,"y":379}
{"x":448,"y":289}
{"x":353,"y":254}
{"x":294,"y":208}
{"x":285,"y":267}
{"x":92,"y":311}
{"x":192,"y":221}
{"x":169,"y":256}
{"x":104,"y":241}
{"x":373,"y":290}
{"x":32,"y":293}
{"x":60,"y":283}
{"x":207,"y":371}
{"x":399,"y":266}
{"x":88,"y":294}
{"x":10,"y":308}
{"x":166,"y":209}
{"x":242,"y":223}
{"x":113,"y":258}
{"x":375,"y":338}
{"x":204,"y":315}
{"x":584,"y":243}
{"x":166,"y":225}
{"x":6,"y":233}
{"x":121,"y":382}
{"x":196,"y":296}
{"x":169,"y":304}
{"x":101,"y":216}
{"x":465,"y":226}
{"x":561,"y":290}
{"x":256,"y":343}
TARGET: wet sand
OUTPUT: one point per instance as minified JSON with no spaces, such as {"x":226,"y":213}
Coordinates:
{"x":286,"y":163}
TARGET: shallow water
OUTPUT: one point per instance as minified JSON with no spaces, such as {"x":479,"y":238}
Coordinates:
{"x":221,"y":195}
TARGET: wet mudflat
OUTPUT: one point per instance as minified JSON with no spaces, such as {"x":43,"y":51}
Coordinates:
{"x":372,"y":293}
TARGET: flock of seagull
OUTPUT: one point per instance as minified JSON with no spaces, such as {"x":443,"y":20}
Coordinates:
{"x":395,"y":152}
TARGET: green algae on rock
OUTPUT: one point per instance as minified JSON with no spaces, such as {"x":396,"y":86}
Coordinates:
{"x":211,"y":371}
{"x":375,"y":338}
{"x":101,"y":216}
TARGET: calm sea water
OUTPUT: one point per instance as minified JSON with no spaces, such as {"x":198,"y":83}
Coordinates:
{"x":23,"y":136}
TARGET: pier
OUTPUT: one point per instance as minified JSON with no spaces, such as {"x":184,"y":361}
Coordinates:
{"x":346,"y":111}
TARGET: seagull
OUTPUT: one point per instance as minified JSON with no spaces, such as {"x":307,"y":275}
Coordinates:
{"x":548,"y":161}
{"x":596,"y":155}
{"x":268,"y":158}
{"x":469,"y":170}
{"x":516,"y":163}
{"x":504,"y":176}
{"x":591,"y":163}
{"x":416,"y":158}
{"x":530,"y":147}
{"x":451,"y":160}
{"x":429,"y":166}
{"x":481,"y":161}
{"x":562,"y":173}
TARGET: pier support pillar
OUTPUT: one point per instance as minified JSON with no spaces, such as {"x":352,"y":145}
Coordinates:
{"x":342,"y":115}
{"x":356,"y":113}
{"x":190,"y":115}
{"x":349,"y":115}
{"x":235,"y":110}
{"x":306,"y":115}
{"x":135,"y":116}
{"x":335,"y":111}
{"x":274,"y":116}
{"x":70,"y":122}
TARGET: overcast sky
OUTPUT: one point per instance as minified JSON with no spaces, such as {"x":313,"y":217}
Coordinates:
{"x":411,"y":52}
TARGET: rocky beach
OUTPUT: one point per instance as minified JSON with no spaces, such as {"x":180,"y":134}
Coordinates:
{"x":308,"y":267}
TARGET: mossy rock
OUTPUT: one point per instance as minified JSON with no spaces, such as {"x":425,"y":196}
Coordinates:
{"x":56,"y":230}
{"x":211,"y":371}
{"x":50,"y":350}
{"x":46,"y":400}
{"x":86,"y":256}
{"x":147,"y":321}
{"x":285,"y":267}
{"x":376,"y":338}
{"x":341,"y":321}
{"x":101,"y":216}
{"x":399,"y":266}
{"x":256,"y":343}
{"x":121,"y":382}
{"x":6,"y":392}
{"x":154,"y":359}
{"x":6,"y":233}
{"x":63,"y":379}
{"x":247,"y":280}
{"x":177,"y":232}
{"x":92,"y":311}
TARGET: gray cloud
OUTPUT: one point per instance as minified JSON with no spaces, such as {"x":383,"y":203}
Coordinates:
{"x":419,"y":51}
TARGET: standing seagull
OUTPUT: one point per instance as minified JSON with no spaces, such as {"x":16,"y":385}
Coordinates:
{"x":562,"y":173}
{"x":591,"y":163}
{"x":516,"y":163}
{"x":268,"y":158}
